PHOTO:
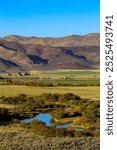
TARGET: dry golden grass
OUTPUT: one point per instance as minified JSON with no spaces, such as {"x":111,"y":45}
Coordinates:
{"x":91,"y":92}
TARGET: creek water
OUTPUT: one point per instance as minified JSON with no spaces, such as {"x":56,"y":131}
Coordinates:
{"x":46,"y":118}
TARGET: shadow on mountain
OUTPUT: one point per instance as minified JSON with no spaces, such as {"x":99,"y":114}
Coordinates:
{"x":70,"y":52}
{"x":8,"y":63}
{"x":37,"y":59}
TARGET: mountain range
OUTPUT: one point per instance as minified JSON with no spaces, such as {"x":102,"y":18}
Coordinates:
{"x":19,"y":53}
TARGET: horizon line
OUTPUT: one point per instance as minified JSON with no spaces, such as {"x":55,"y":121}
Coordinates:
{"x":50,"y":36}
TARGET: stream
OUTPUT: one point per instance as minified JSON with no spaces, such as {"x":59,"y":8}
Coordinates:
{"x":46,"y":118}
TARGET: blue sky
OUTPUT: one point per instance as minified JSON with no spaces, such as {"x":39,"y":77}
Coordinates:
{"x":49,"y":18}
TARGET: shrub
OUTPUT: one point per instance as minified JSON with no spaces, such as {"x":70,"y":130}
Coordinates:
{"x":68,"y":96}
{"x":49,"y":96}
{"x":89,"y":115}
{"x":36,"y":124}
{"x":60,"y":113}
{"x":3,"y":111}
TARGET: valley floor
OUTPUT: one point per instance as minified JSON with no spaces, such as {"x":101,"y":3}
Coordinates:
{"x":91,"y":92}
{"x":18,"y":138}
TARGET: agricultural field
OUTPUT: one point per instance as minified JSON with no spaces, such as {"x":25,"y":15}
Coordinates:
{"x":55,"y":78}
{"x":84,"y":83}
{"x":90,"y":92}
{"x":78,"y":74}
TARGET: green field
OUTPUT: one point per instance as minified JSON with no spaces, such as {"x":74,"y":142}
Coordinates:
{"x":91,"y":92}
{"x":75,"y":74}
{"x":57,"y":78}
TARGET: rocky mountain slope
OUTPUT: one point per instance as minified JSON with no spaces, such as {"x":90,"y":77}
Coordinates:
{"x":18,"y":53}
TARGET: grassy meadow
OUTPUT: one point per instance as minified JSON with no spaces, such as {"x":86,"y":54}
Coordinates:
{"x":91,"y":92}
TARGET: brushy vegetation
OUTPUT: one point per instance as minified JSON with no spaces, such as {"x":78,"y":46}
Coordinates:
{"x":45,"y":100}
{"x":87,"y":112}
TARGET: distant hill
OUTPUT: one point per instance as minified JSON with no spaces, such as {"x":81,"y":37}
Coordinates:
{"x":69,"y":41}
{"x":19,"y":53}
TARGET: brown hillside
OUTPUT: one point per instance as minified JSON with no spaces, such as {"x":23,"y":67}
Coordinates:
{"x":18,"y":53}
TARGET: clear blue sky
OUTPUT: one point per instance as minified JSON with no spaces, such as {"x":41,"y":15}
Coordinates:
{"x":49,"y":18}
